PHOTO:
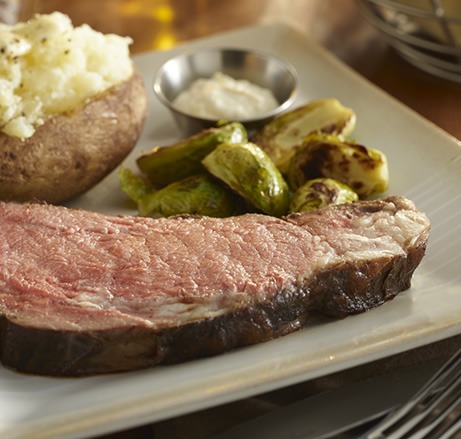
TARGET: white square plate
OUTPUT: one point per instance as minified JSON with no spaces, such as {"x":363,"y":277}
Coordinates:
{"x":425,"y":165}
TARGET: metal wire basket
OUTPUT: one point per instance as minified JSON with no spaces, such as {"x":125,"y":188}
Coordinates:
{"x":427,"y":33}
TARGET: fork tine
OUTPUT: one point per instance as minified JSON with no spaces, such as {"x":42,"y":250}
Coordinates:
{"x":435,"y":409}
{"x":438,"y":414}
{"x":449,"y":428}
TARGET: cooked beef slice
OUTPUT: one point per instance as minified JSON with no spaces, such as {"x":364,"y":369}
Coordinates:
{"x":84,"y":293}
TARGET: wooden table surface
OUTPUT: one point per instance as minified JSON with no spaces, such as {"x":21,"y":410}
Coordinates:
{"x":336,"y":24}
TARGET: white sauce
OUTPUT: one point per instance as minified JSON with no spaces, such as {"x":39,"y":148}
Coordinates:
{"x":223,"y":97}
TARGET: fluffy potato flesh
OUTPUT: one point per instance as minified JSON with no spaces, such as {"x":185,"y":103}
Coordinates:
{"x":74,"y":151}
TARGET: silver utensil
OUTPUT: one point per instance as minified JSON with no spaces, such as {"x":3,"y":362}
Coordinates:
{"x":434,"y":411}
{"x":354,"y":407}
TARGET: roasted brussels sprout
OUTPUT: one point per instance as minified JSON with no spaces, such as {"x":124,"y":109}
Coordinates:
{"x":135,"y":186}
{"x":279,"y":137}
{"x":365,"y":170}
{"x":321,"y":192}
{"x":248,"y":170}
{"x":196,"y":195}
{"x":164,"y":165}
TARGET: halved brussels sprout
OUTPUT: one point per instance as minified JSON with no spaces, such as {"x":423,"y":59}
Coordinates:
{"x":249,"y":171}
{"x":280,"y":136}
{"x":365,"y":170}
{"x":198,"y":194}
{"x":164,"y":165}
{"x":135,"y":186}
{"x":321,"y":192}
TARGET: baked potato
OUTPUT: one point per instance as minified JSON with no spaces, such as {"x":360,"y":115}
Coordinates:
{"x":73,"y":108}
{"x":72,"y":152}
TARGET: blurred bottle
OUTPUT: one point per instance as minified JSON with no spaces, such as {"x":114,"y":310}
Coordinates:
{"x":150,"y":23}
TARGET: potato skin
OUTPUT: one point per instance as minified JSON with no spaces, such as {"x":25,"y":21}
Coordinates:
{"x":72,"y":152}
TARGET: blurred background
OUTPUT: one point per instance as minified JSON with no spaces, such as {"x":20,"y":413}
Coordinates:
{"x":351,"y":29}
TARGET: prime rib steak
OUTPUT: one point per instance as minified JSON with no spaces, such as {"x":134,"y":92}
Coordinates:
{"x":84,"y":293}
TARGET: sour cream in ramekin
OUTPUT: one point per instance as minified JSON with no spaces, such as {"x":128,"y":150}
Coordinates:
{"x":223,"y":97}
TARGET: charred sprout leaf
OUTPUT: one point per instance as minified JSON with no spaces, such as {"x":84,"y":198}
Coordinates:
{"x":164,"y":165}
{"x":196,"y":195}
{"x":133,"y":185}
{"x":364,"y":169}
{"x":248,"y":170}
{"x":321,"y":192}
{"x":279,"y":137}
